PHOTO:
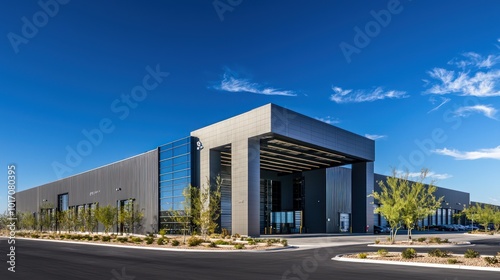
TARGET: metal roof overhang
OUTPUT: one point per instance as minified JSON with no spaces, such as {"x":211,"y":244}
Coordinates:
{"x":288,"y":156}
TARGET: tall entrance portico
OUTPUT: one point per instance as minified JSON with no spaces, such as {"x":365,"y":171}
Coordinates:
{"x":272,"y":144}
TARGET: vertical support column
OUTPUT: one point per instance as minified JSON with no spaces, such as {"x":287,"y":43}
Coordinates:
{"x":362,"y":205}
{"x":245,"y":177}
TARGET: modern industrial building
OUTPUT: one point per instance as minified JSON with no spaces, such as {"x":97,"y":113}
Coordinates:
{"x":282,"y":172}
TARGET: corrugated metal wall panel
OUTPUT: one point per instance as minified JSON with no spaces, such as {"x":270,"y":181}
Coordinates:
{"x":136,"y":177}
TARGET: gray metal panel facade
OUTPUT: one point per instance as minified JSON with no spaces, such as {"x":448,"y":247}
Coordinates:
{"x":338,"y":196}
{"x":309,"y":130}
{"x":137,"y":177}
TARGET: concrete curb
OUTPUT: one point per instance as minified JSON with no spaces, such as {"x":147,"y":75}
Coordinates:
{"x":465,"y":244}
{"x":160,"y":249}
{"x":434,"y":265}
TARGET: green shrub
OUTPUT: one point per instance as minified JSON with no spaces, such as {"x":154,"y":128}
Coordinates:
{"x":236,"y":235}
{"x":222,"y":242}
{"x":106,"y":238}
{"x":377,"y":241}
{"x":212,"y":245}
{"x":160,"y":241}
{"x":175,"y":242}
{"x":35,"y":235}
{"x":136,"y":239}
{"x":239,"y":246}
{"x":251,"y":241}
{"x":122,"y":239}
{"x":382,"y":252}
{"x":224,"y":233}
{"x":452,"y":261}
{"x":269,"y":242}
{"x":149,"y":240}
{"x":409,"y":253}
{"x":471,"y":254}
{"x":445,"y":240}
{"x":284,"y":242}
{"x":96,"y":238}
{"x":438,"y":253}
{"x":194,"y":241}
{"x":162,"y":232}
{"x":362,"y":255}
{"x":491,"y":260}
{"x":68,"y":236}
{"x":421,"y":239}
{"x":435,"y":240}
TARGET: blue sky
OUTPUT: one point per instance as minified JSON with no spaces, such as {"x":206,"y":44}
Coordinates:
{"x":420,"y":77}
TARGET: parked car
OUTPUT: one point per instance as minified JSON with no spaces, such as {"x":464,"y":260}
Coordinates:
{"x":379,"y":229}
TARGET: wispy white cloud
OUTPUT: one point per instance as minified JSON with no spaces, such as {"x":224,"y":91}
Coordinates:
{"x":329,"y":120}
{"x":355,"y":96}
{"x":486,"y":110}
{"x":493,"y":153}
{"x":232,"y":83}
{"x":476,"y":75}
{"x":444,"y":100}
{"x":430,"y":175}
{"x":375,"y":136}
{"x":481,"y":84}
{"x":473,"y":59}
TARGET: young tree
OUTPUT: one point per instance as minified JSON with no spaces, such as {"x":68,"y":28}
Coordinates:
{"x":418,"y":200}
{"x":405,"y":202}
{"x":496,"y":219}
{"x":130,"y":216}
{"x":183,"y":217}
{"x":27,"y":221}
{"x":391,"y":202}
{"x":207,"y":207}
{"x":481,"y":214}
{"x":106,"y":216}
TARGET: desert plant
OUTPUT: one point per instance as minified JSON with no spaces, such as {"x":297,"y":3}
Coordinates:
{"x":491,"y":260}
{"x":35,"y":235}
{"x":284,"y":242}
{"x":382,"y":252}
{"x":194,"y":241}
{"x":409,"y":253}
{"x":452,"y":261}
{"x":96,"y":238}
{"x":421,"y":239}
{"x":162,"y":232}
{"x":222,"y":242}
{"x":435,"y":240}
{"x":212,"y":245}
{"x":239,"y":246}
{"x":106,"y":238}
{"x":149,"y":240}
{"x":136,"y":239}
{"x":471,"y":254}
{"x":175,"y":242}
{"x":377,"y":241}
{"x":160,"y":241}
{"x":122,"y":239}
{"x":224,"y":233}
{"x":438,"y":253}
{"x":362,"y":255}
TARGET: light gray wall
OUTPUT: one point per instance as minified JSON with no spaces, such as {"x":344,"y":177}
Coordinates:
{"x":137,"y":177}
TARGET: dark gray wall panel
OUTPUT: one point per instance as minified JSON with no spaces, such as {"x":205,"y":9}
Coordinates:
{"x":338,"y":196}
{"x":137,"y":177}
{"x":315,"y":196}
